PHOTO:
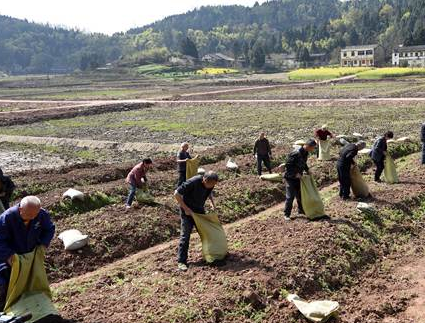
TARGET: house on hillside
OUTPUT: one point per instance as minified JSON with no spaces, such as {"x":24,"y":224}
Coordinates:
{"x":183,"y":60}
{"x":319,"y":59}
{"x":282,"y":61}
{"x":219,"y":60}
{"x":362,"y":55}
{"x":412,"y":56}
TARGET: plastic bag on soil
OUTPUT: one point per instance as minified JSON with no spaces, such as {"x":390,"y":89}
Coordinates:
{"x":73,"y":239}
{"x":358,"y":184}
{"x":73,"y":194}
{"x":192,"y":167}
{"x":317,"y":311}
{"x":213,"y":237}
{"x":324,"y":150}
{"x":310,"y":198}
{"x":366,"y":208}
{"x":272,"y":177}
{"x":231,"y":165}
{"x":343,"y":141}
{"x":201,"y":171}
{"x":390,"y":171}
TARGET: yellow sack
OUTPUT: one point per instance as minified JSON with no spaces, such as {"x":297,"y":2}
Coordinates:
{"x":192,"y":167}
{"x":310,"y":198}
{"x":358,"y":184}
{"x":272,"y":177}
{"x":213,"y":237}
{"x":29,"y":289}
{"x":324,"y":150}
{"x":390,"y":171}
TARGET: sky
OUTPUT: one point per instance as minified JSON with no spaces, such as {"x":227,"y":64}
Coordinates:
{"x":105,"y":16}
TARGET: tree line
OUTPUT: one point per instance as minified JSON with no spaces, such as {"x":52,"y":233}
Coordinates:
{"x":303,"y":27}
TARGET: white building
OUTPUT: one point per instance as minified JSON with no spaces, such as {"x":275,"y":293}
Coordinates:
{"x":412,"y":56}
{"x":363,"y":55}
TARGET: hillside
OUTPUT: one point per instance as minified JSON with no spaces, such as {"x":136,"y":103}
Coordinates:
{"x":300,"y":26}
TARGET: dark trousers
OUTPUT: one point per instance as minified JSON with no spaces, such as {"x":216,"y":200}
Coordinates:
{"x":344,"y":180}
{"x":423,"y":153}
{"x":260,"y":160}
{"x":4,"y":284}
{"x":131,"y":194}
{"x":380,"y":165}
{"x":186,"y":227}
{"x":293,"y":191}
{"x":182,"y":178}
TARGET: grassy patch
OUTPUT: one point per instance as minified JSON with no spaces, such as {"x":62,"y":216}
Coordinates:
{"x":90,"y":202}
{"x":324,"y":73}
{"x":389,"y":72}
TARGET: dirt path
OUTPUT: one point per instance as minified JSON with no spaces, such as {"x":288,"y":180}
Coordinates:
{"x":95,"y":144}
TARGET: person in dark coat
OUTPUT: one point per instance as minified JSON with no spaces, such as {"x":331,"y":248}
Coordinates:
{"x":295,"y":166}
{"x":191,"y":197}
{"x":379,"y":152}
{"x":263,"y":152}
{"x":6,"y":189}
{"x":22,"y":228}
{"x":423,"y":142}
{"x":344,"y":164}
{"x":182,"y":157}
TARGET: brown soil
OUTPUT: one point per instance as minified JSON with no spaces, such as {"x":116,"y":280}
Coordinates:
{"x":266,"y":255}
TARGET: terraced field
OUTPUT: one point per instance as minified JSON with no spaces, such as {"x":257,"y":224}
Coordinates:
{"x":127,"y":272}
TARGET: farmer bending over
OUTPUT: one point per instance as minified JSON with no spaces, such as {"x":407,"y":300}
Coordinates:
{"x":379,"y":152}
{"x":182,"y":157}
{"x":137,"y":178}
{"x":22,"y":228}
{"x":345,"y":162}
{"x":191,"y":197}
{"x":264,"y":153}
{"x":322,"y":134}
{"x":295,"y":165}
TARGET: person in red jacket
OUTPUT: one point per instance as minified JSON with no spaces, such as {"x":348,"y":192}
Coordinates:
{"x":137,"y":178}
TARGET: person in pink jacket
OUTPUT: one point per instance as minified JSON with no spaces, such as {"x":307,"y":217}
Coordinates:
{"x":137,"y":178}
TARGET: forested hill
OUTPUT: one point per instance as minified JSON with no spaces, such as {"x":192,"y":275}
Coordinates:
{"x":34,"y":48}
{"x":281,"y":15}
{"x":278,"y":26}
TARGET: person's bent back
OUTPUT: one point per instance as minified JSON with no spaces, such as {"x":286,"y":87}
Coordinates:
{"x":22,"y":228}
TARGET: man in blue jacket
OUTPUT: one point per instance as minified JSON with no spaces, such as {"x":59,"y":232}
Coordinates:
{"x":379,"y":152}
{"x":22,"y":228}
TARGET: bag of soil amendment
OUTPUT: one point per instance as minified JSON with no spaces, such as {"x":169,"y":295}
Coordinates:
{"x":310,"y":198}
{"x":390,"y":171}
{"x":324,"y":150}
{"x":192,"y":167}
{"x":73,"y":239}
{"x":317,"y":311}
{"x":358,"y":184}
{"x":213,"y":237}
{"x":277,"y":178}
{"x":143,"y":196}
